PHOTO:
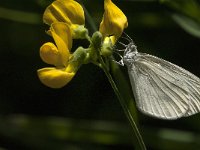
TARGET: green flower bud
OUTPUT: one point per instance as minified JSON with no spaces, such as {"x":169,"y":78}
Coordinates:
{"x":77,"y":58}
{"x":80,"y":32}
{"x":97,"y":40}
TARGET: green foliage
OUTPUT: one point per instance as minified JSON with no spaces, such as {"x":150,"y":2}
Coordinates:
{"x":185,"y":13}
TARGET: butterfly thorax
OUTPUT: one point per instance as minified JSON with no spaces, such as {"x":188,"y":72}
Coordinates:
{"x":130,"y":54}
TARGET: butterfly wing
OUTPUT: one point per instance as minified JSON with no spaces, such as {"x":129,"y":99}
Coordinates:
{"x":194,"y":101}
{"x":162,"y":89}
{"x":191,"y":81}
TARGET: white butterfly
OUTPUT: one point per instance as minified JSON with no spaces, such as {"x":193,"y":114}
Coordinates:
{"x":161,"y":89}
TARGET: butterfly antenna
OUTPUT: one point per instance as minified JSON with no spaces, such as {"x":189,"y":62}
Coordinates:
{"x":128,"y":37}
{"x":129,"y":40}
{"x":122,"y":43}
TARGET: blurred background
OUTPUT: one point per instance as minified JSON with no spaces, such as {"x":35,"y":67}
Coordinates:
{"x":85,"y":114}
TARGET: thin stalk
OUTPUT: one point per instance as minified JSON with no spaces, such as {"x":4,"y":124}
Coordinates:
{"x":136,"y":132}
{"x":139,"y":141}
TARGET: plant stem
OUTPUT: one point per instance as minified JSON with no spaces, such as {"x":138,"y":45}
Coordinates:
{"x":140,"y":144}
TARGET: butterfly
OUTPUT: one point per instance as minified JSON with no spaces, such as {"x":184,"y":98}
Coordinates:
{"x":161,"y":89}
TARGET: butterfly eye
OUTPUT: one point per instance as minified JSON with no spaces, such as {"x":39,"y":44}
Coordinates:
{"x":132,"y":46}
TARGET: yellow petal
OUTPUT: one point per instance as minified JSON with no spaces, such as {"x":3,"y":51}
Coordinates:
{"x":54,"y":78}
{"x":112,"y":39}
{"x":114,"y":21}
{"x":49,"y":54}
{"x":54,"y":13}
{"x":62,"y":35}
{"x":63,"y":30}
{"x":68,"y":11}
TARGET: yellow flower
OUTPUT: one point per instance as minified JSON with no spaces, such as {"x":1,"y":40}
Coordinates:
{"x":114,"y":21}
{"x":57,"y":55}
{"x":68,"y":11}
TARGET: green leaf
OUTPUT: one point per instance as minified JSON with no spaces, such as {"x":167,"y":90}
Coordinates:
{"x":187,"y":7}
{"x":20,"y":16}
{"x":188,"y":24}
{"x":186,"y":13}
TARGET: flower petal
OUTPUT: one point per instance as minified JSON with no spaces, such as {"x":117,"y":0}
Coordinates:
{"x":63,"y":30}
{"x":68,"y":11}
{"x":54,"y":78}
{"x":114,"y":21}
{"x":62,"y":35}
{"x":50,"y":54}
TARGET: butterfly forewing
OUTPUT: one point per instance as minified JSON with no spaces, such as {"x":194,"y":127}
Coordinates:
{"x":162,"y":89}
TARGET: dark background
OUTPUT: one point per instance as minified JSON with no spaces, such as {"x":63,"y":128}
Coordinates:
{"x":85,"y":114}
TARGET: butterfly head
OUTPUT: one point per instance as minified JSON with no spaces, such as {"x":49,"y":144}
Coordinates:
{"x":129,"y":51}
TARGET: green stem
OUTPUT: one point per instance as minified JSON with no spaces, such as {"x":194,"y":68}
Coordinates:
{"x":139,"y":139}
